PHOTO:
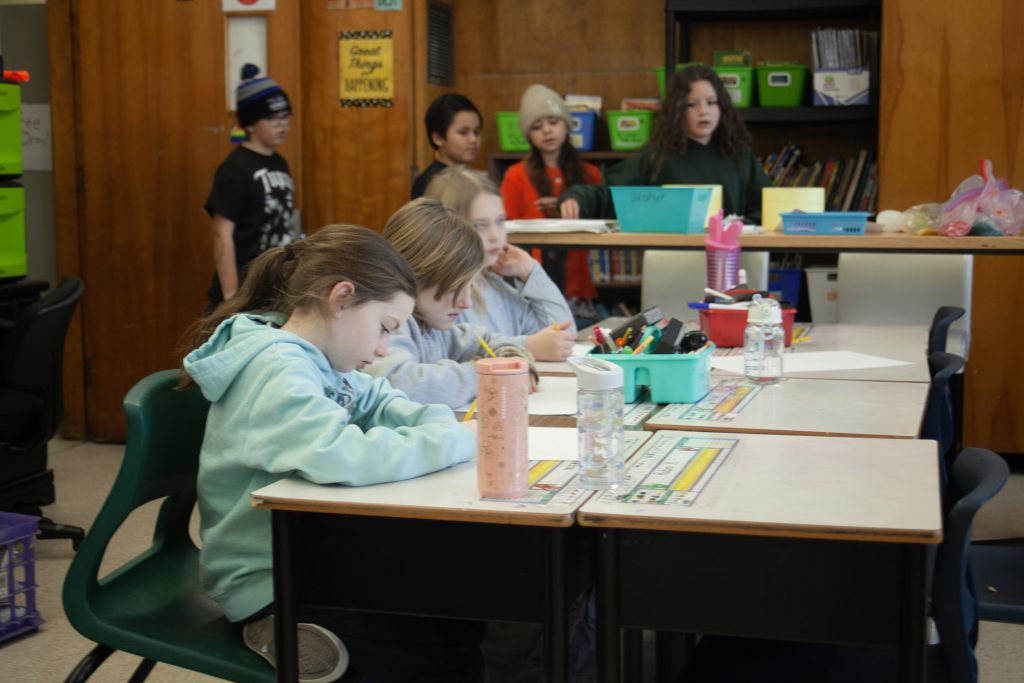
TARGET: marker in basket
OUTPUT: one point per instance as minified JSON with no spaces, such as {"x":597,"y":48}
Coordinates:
{"x":602,"y":340}
{"x":643,"y":345}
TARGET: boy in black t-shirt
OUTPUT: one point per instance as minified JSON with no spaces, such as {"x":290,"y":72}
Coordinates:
{"x":251,"y":205}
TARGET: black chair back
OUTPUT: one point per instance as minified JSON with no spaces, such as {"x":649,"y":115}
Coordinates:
{"x":977,"y":475}
{"x":33,"y":359}
{"x":939,"y":419}
{"x":937,"y":333}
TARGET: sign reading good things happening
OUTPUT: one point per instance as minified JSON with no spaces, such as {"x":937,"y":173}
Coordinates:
{"x":366,"y":68}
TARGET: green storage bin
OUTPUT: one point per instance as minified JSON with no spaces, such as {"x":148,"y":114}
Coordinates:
{"x":738,"y":82}
{"x":629,"y":130}
{"x":671,"y":378}
{"x":781,"y":84}
{"x":510,"y":138}
{"x":10,"y":130}
{"x":13,"y":259}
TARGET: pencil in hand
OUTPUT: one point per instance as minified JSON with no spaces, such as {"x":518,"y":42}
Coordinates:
{"x":486,"y":347}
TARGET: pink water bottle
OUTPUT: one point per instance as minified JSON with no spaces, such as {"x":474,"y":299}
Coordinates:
{"x":502,"y":464}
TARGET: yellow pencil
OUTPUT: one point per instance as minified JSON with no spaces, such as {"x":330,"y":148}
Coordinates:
{"x":488,"y":349}
{"x":469,"y":413}
{"x":560,"y":326}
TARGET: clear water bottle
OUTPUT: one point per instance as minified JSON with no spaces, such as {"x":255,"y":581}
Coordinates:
{"x":599,"y":422}
{"x":764,"y":341}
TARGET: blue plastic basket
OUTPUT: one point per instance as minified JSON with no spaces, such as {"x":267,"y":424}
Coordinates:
{"x":671,"y":378}
{"x":582,"y":133}
{"x":786,"y":281}
{"x":649,"y":208}
{"x":826,"y":223}
{"x":17,"y":575}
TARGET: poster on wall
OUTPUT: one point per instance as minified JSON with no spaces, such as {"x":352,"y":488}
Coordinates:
{"x":367,"y":68}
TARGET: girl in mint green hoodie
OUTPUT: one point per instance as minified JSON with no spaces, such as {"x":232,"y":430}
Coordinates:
{"x":280,"y":363}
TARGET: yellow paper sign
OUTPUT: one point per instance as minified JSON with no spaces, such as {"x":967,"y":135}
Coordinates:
{"x":367,"y":68}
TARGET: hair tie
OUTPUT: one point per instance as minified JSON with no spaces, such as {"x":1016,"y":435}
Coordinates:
{"x":289,"y":253}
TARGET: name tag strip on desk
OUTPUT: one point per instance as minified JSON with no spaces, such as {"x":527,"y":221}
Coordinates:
{"x":555,"y":482}
{"x":723,"y":403}
{"x":672,"y":470}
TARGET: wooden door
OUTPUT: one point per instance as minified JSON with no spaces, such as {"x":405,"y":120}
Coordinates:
{"x":134,"y":164}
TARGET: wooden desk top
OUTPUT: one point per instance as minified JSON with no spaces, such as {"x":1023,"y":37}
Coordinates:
{"x":778,"y":242}
{"x":448,"y":495}
{"x":879,"y":490}
{"x":815,"y":407}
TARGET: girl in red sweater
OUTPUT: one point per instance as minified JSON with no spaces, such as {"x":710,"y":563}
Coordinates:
{"x":531,"y":187}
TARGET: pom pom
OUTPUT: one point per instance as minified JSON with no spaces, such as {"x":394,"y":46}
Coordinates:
{"x":249,"y":71}
{"x":238,"y":135}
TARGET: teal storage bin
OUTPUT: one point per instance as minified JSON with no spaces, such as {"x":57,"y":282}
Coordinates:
{"x":670,"y":378}
{"x":650,"y":208}
{"x":10,"y":130}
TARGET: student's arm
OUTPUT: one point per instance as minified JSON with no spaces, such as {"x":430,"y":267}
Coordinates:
{"x":224,"y":254}
{"x":595,"y":201}
{"x":434,"y":374}
{"x":294,"y":428}
{"x":513,"y":192}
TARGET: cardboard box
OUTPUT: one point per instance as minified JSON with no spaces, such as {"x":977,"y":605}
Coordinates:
{"x":841,"y":87}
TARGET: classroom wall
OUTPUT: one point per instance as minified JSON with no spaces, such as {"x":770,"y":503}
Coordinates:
{"x":952,"y":74}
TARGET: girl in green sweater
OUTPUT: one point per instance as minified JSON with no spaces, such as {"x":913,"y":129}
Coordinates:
{"x":698,"y":139}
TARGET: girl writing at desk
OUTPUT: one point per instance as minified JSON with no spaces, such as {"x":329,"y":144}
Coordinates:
{"x":280,"y":363}
{"x":432,"y":354}
{"x":698,"y":139}
{"x":512,"y":295}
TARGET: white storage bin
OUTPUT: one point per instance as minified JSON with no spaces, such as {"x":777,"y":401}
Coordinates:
{"x":823,"y":291}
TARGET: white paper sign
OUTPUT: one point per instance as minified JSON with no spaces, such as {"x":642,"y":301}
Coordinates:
{"x":36,"y":140}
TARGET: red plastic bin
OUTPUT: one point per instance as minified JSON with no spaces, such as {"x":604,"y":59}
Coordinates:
{"x":725,"y":327}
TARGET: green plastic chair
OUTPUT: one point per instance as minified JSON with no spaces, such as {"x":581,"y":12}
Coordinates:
{"x":154,"y":605}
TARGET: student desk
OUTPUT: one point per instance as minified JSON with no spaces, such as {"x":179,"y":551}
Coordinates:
{"x":906,"y":343}
{"x":796,"y":538}
{"x":818,"y":407}
{"x":427,"y":546}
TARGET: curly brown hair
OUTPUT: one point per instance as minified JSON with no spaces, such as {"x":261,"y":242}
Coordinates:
{"x":730,"y":139}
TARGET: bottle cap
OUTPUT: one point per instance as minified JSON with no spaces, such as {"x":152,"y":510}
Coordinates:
{"x":595,"y":374}
{"x":765,"y":311}
{"x":501,"y":366}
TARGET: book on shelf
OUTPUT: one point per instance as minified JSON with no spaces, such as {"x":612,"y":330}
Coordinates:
{"x":850,"y":184}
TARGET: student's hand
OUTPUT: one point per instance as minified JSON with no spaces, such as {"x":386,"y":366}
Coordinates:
{"x":514,"y":262}
{"x":551,"y":344}
{"x":547,"y":205}
{"x":570,"y":209}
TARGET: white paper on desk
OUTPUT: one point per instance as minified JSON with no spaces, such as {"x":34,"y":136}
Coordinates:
{"x":561,"y":366}
{"x":813,"y":361}
{"x":554,"y":396}
{"x":553,"y":443}
{"x":557,"y":225}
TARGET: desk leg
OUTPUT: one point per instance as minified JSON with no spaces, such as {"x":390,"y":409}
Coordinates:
{"x":913,"y":641}
{"x":608,"y":606}
{"x":285,"y":635}
{"x":556,"y":622}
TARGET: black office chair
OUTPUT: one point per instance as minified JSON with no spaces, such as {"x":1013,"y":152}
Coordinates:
{"x":31,"y":404}
{"x":977,"y":475}
{"x":939,"y":330}
{"x":940,"y":415}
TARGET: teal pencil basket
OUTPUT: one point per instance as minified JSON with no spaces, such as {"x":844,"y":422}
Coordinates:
{"x":671,"y":378}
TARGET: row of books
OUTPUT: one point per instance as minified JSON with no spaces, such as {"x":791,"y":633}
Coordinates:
{"x":850,"y":184}
{"x":615,"y":266}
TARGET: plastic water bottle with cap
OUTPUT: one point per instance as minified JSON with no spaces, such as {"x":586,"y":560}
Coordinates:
{"x":599,"y":422}
{"x":764,"y":341}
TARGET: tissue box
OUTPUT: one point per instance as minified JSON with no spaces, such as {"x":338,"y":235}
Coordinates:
{"x":841,"y":87}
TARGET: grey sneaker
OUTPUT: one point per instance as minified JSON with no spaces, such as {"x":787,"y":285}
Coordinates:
{"x":322,"y":656}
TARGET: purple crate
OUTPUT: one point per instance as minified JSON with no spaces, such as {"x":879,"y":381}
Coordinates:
{"x":18,"y":613}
